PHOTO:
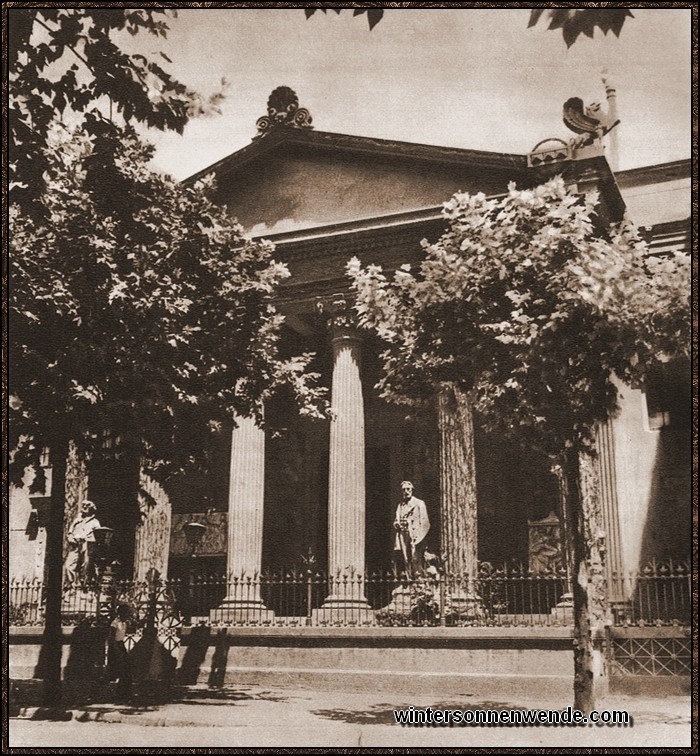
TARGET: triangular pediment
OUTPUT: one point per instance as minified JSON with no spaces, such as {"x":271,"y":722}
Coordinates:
{"x":292,"y":179}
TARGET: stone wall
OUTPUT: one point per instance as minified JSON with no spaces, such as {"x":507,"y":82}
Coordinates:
{"x":653,"y":471}
{"x":27,"y":533}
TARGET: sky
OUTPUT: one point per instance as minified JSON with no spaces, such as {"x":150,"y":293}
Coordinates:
{"x":470,"y":78}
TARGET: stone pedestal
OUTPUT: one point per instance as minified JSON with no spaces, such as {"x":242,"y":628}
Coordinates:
{"x":79,"y":601}
{"x":245,"y":527}
{"x":564,"y":609}
{"x":401,"y":601}
{"x":346,"y":485}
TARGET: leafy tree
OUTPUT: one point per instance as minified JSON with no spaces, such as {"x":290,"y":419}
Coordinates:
{"x":572,"y":22}
{"x":67,"y":63}
{"x":528,"y":310}
{"x":141,"y":307}
{"x":135,"y":304}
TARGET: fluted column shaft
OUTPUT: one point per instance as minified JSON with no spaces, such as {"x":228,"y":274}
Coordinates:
{"x":346,"y":480}
{"x":458,"y":512}
{"x":614,"y":563}
{"x":246,"y":500}
{"x":346,"y":477}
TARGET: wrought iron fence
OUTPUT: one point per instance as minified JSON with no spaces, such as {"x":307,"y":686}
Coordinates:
{"x":26,"y":602}
{"x":508,"y":595}
{"x":660,"y":594}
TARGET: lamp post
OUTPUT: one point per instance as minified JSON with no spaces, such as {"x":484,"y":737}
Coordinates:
{"x":194,"y":532}
{"x":101,"y":548}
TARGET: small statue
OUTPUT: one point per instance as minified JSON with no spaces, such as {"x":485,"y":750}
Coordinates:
{"x":78,"y":563}
{"x":411,"y":525}
{"x":544,"y":545}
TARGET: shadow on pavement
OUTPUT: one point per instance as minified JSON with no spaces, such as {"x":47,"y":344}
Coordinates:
{"x":383,"y":714}
{"x":378,"y":714}
{"x":218,"y":696}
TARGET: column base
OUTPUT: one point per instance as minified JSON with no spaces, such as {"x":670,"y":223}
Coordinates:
{"x":338,"y":610}
{"x":242,"y":612}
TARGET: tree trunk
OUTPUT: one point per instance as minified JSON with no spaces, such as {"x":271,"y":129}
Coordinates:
{"x":585,"y":566}
{"x":53,"y":637}
{"x":458,"y":514}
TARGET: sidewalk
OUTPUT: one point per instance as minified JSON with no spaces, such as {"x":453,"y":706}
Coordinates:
{"x":243,"y":716}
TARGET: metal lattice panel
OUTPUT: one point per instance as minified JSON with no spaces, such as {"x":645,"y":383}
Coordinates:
{"x":167,"y":632}
{"x":131,"y":639}
{"x":650,"y":656}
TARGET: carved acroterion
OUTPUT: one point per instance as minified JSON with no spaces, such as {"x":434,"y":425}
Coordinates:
{"x":283,"y":110}
{"x":589,"y":122}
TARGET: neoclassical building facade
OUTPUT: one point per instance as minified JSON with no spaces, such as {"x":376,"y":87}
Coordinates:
{"x":328,"y":490}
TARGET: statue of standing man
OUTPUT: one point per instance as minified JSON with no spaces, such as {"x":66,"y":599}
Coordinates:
{"x":411,"y":525}
{"x":78,"y":564}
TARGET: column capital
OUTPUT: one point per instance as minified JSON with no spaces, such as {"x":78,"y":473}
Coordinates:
{"x":341,"y":319}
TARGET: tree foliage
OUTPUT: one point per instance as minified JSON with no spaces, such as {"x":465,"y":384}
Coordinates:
{"x":529,"y":308}
{"x":67,"y":63}
{"x":135,"y":303}
{"x":572,"y":22}
{"x":374,"y":15}
{"x":139,"y":307}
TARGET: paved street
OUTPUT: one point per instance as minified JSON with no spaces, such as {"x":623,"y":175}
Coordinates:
{"x":258,"y":716}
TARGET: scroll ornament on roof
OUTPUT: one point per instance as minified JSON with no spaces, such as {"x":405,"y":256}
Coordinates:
{"x":283,"y":110}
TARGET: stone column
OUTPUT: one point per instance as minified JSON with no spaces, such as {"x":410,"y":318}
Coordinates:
{"x":458,"y":512}
{"x":245,"y":526}
{"x":346,"y":482}
{"x":614,"y":563}
{"x":152,"y":547}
